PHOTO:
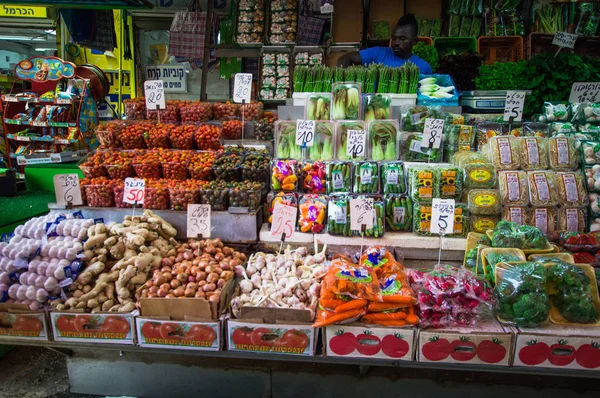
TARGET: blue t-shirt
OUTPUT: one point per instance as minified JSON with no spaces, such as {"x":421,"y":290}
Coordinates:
{"x":386,"y":56}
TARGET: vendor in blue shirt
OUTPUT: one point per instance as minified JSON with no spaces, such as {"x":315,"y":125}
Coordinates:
{"x":404,"y":37}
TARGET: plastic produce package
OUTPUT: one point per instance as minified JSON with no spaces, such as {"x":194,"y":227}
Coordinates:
{"x":562,"y":153}
{"x":514,"y":188}
{"x":378,"y":229}
{"x":536,"y":129}
{"x":485,"y":131}
{"x":485,"y":201}
{"x":383,"y":138}
{"x":505,"y":152}
{"x":451,"y":182}
{"x":412,"y":151}
{"x":480,"y":176}
{"x":422,"y":220}
{"x":285,"y":141}
{"x":571,"y":191}
{"x":521,"y":292}
{"x":481,"y":224}
{"x":572,"y":219}
{"x":322,"y":148}
{"x":284,"y":198}
{"x":590,"y":152}
{"x":424,"y":184}
{"x":314,"y":178}
{"x":398,"y":212}
{"x":542,"y":188}
{"x":339,"y":177}
{"x":347,"y":102}
{"x":318,"y":106}
{"x":284,"y":175}
{"x":338,"y":215}
{"x":516,"y":214}
{"x":414,"y":120}
{"x":493,"y":256}
{"x":341,"y":139}
{"x":392,"y":177}
{"x":586,"y":113}
{"x":366,"y":177}
{"x":377,"y":107}
{"x":534,"y":153}
{"x":555,"y":113}
{"x":592,"y":178}
{"x":510,"y":235}
{"x":544,"y":219}
{"x":311,"y":215}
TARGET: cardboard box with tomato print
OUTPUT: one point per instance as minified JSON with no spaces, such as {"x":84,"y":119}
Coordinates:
{"x":18,"y":323}
{"x":274,"y":330}
{"x":183,"y":323}
{"x":488,"y":343}
{"x":105,"y":327}
{"x":558,"y":346}
{"x":361,"y":341}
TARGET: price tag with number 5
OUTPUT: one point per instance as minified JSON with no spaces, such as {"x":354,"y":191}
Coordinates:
{"x":442,"y":216}
{"x":66,"y":188}
{"x":198,"y":221}
{"x":284,"y":220}
{"x":135,"y":191}
{"x":513,"y":108}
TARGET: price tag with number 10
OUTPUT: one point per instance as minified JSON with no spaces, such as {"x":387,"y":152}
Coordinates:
{"x":305,"y":133}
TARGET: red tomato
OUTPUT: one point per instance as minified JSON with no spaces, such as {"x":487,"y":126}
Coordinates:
{"x":394,"y":346}
{"x":86,"y":323}
{"x":437,"y":349}
{"x":367,"y":344}
{"x":342,"y":343}
{"x":263,"y":337}
{"x":151,"y":330}
{"x":241,"y":336}
{"x":535,"y":353}
{"x":66,"y":323}
{"x":293,"y":339}
{"x":463,"y":349}
{"x":491,"y":351}
{"x":561,"y":354}
{"x":588,"y":355}
{"x":115,"y":324}
{"x":201,"y":333}
{"x":171,"y":331}
{"x":28,"y":324}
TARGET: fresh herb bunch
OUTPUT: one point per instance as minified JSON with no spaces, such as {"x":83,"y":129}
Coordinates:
{"x":571,"y":294}
{"x":428,"y":53}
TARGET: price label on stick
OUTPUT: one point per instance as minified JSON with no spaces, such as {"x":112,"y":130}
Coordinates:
{"x":155,"y":94}
{"x":305,"y":132}
{"x":442,"y":216}
{"x":135,"y":190}
{"x":361,"y":213}
{"x":564,"y":39}
{"x":242,"y":87}
{"x":198,"y":221}
{"x":432,"y":133}
{"x":284,"y":220}
{"x":66,"y":188}
{"x":357,"y":142}
{"x":585,"y":93}
{"x":513,"y":106}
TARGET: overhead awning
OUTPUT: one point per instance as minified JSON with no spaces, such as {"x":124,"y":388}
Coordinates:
{"x":93,"y":4}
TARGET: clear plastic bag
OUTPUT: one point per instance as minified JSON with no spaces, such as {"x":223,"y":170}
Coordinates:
{"x":590,"y":153}
{"x":574,"y":293}
{"x":510,"y":235}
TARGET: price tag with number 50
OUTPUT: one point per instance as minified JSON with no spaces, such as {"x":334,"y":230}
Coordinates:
{"x":198,"y":221}
{"x":66,"y":188}
{"x":442,"y":216}
{"x":284,"y":220}
{"x":135,"y":190}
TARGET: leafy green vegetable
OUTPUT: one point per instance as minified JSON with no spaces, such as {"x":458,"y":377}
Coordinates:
{"x":381,"y":30}
{"x":428,"y":53}
{"x":509,"y":234}
{"x":571,"y":293}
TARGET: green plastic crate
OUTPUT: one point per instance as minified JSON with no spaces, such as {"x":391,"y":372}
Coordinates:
{"x":455,"y":45}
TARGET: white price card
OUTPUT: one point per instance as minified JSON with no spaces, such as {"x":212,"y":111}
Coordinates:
{"x":564,"y":39}
{"x":513,"y":107}
{"x":198,"y":221}
{"x":305,"y":133}
{"x":135,"y":191}
{"x":442,"y":216}
{"x":432,"y":133}
{"x":585,"y":93}
{"x":242,"y":87}
{"x":361,"y":213}
{"x":66,"y":188}
{"x":284,"y":220}
{"x":154,"y":91}
{"x":357,"y":143}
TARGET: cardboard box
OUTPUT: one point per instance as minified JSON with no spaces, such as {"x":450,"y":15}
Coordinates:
{"x":103,"y":327}
{"x":18,"y":323}
{"x":369,"y":341}
{"x":558,"y":346}
{"x":276,"y":330}
{"x":488,"y":343}
{"x":182,"y":323}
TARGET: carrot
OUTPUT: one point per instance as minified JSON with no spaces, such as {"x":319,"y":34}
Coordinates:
{"x":393,"y":322}
{"x":411,"y":318}
{"x":398,"y":299}
{"x":331,"y":304}
{"x":385,"y":316}
{"x":378,"y":307}
{"x":325,"y":318}
{"x":352,"y":305}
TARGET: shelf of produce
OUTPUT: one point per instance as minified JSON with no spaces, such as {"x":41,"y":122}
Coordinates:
{"x":234,"y":228}
{"x":45,"y":101}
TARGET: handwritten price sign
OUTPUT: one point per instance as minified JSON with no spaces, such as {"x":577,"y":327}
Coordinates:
{"x":513,"y":107}
{"x":198,"y":221}
{"x":442,"y":216}
{"x":585,"y":93}
{"x":564,"y":39}
{"x":357,"y":140}
{"x":284,"y":220}
{"x":155,"y":94}
{"x":66,"y":188}
{"x":305,"y":133}
{"x":242,"y":87}
{"x":135,"y":191}
{"x":361,"y":213}
{"x":432,"y":133}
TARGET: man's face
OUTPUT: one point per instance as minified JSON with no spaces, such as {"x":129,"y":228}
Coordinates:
{"x":403,"y":40}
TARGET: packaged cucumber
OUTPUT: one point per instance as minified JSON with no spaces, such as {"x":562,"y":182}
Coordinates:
{"x":338,"y":215}
{"x":392,"y":177}
{"x":339,"y":177}
{"x":398,"y":212}
{"x":378,"y":217}
{"x":366,"y":177}
{"x":424,"y":184}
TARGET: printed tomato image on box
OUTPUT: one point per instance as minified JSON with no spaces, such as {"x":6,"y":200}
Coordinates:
{"x":369,"y":341}
{"x":485,"y":343}
{"x":557,"y":346}
{"x":176,"y":334}
{"x":23,"y":326}
{"x":103,"y":328}
{"x":274,"y":338}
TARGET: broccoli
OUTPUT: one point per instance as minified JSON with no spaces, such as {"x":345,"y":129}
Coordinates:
{"x":484,"y":240}
{"x":571,"y":293}
{"x":471,"y":258}
{"x":531,"y":309}
{"x":505,"y":239}
{"x":532,"y":237}
{"x":509,"y":234}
